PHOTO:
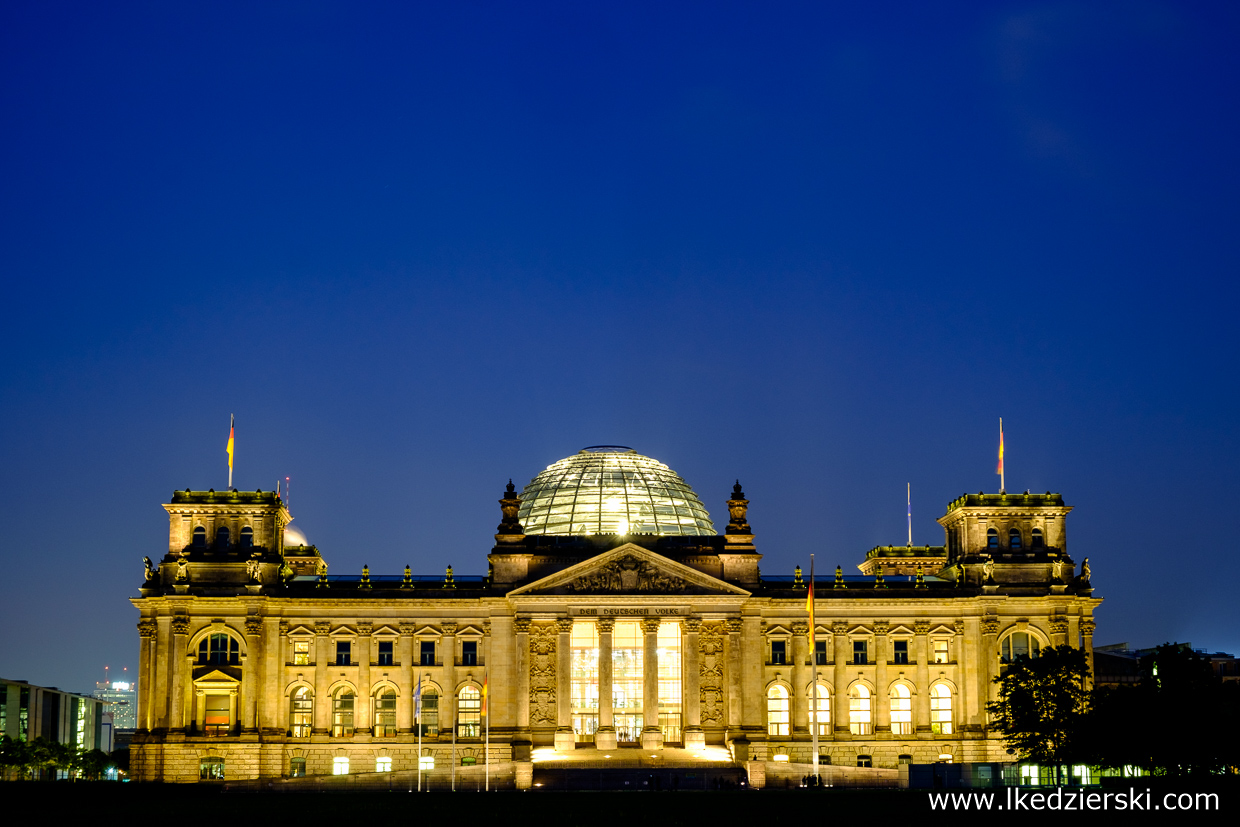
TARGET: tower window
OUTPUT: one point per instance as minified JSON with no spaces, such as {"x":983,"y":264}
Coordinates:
{"x":860,"y":652}
{"x":200,"y":537}
{"x":219,"y":649}
{"x":247,"y":537}
{"x":1014,"y":539}
{"x":344,"y":652}
{"x":992,"y":538}
{"x":1037,"y":539}
{"x":222,"y":537}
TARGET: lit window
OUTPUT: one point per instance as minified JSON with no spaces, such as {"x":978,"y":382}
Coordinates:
{"x":1014,"y":539}
{"x":383,"y":764}
{"x":823,"y":710}
{"x":469,"y":713}
{"x":301,"y":653}
{"x":940,"y":650}
{"x":342,"y":714}
{"x":860,"y":651}
{"x":469,"y":653}
{"x":218,"y":715}
{"x":340,"y":765}
{"x":428,"y":653}
{"x":211,"y":769}
{"x":297,"y":768}
{"x":468,"y":761}
{"x":301,"y":713}
{"x":992,"y":538}
{"x":385,"y":714}
{"x":859,"y":720}
{"x":344,"y":652}
{"x":901,"y":710}
{"x":941,"y":709}
{"x":430,"y":711}
{"x":219,"y":649}
{"x":386,"y":655}
{"x":779,"y":652}
{"x":777,"y":716}
{"x":583,"y":677}
{"x":1017,"y":645}
{"x":426,"y":762}
{"x":899,"y":652}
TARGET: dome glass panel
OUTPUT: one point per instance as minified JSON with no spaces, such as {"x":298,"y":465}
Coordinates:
{"x":610,"y":489}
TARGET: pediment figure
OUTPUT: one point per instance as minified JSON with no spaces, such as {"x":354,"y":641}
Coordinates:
{"x":629,"y":569}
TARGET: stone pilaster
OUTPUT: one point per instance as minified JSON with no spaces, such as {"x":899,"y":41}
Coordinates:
{"x":405,"y":679}
{"x":988,"y":669}
{"x":1087,"y":641}
{"x":882,"y":654}
{"x":732,"y":647}
{"x":322,"y":680}
{"x":146,"y":656}
{"x":521,"y":628}
{"x":251,"y":674}
{"x":605,"y":736}
{"x":839,"y":636}
{"x":363,"y":723}
{"x":921,"y":700}
{"x":801,"y":671}
{"x":753,"y":690}
{"x":180,"y":669}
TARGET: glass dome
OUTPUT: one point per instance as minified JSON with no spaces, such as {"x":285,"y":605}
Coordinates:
{"x":611,"y":489}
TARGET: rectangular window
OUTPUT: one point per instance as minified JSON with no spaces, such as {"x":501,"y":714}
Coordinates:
{"x":383,"y":764}
{"x":340,"y":765}
{"x":779,"y":652}
{"x":430,"y":712}
{"x":344,"y":652}
{"x":427,"y":762}
{"x":627,"y":680}
{"x":584,"y":677}
{"x":899,"y":652}
{"x":469,"y":653}
{"x":217,"y":720}
{"x":428,"y":653}
{"x":940,"y":650}
{"x":342,"y":715}
{"x":301,"y":714}
{"x":865,"y":761}
{"x":297,"y":768}
{"x":301,"y":653}
{"x":860,"y":651}
{"x":386,"y":655}
{"x":820,"y":652}
{"x":385,"y":715}
{"x":211,"y":769}
{"x":668,"y":652}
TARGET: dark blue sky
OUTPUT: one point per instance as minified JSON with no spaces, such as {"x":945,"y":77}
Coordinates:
{"x":420,"y":250}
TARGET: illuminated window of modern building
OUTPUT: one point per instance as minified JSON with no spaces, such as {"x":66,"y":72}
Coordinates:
{"x":430,"y":711}
{"x":383,"y":764}
{"x":340,"y":765}
{"x":301,"y":653}
{"x":219,"y":649}
{"x":1014,"y":539}
{"x":901,"y":710}
{"x":23,"y":714}
{"x":779,"y":652}
{"x":469,"y":653}
{"x":386,"y":655}
{"x":342,"y":713}
{"x":344,"y":653}
{"x":217,"y":720}
{"x":427,"y":652}
{"x":80,"y":736}
{"x":823,"y":710}
{"x":584,"y":679}
{"x":385,"y":713}
{"x":426,"y":762}
{"x":668,"y":650}
{"x":1018,"y":644}
{"x":301,"y":712}
{"x":469,"y":713}
{"x":611,"y":490}
{"x":899,"y":651}
{"x":297,"y":768}
{"x":777,"y":715}
{"x":211,"y":769}
{"x":940,"y":650}
{"x":4,"y":709}
{"x":627,"y":680}
{"x":941,"y":709}
{"x":861,"y":652}
{"x":820,"y":652}
{"x":859,"y":719}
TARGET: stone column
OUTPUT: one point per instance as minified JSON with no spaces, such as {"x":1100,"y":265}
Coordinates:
{"x":921,"y":699}
{"x":180,"y":666}
{"x":801,"y":670}
{"x":565,"y":738}
{"x":1087,"y":640}
{"x":251,"y":675}
{"x":605,"y":736}
{"x":447,"y":654}
{"x":161,"y":649}
{"x":732,"y":645}
{"x":882,"y":700}
{"x":521,"y":627}
{"x":322,"y":702}
{"x":652,"y":735}
{"x":690,"y":676}
{"x":839,"y":637}
{"x":275,"y":655}
{"x":406,"y":679}
{"x":362,"y":721}
{"x":146,"y":649}
{"x":988,"y":669}
{"x":753,"y":656}
{"x":958,"y":654}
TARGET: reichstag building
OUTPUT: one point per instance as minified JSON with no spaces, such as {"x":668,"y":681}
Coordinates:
{"x":614,"y":623}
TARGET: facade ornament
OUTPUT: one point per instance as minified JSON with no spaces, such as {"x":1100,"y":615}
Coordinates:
{"x":1059,"y":625}
{"x":921,"y":627}
{"x":881,"y":627}
{"x":407,"y":583}
{"x":321,"y":567}
{"x":365,"y":584}
{"x":800,"y":628}
{"x":650,"y":625}
{"x":407,"y":628}
{"x":797,"y":582}
{"x":693,"y":625}
{"x":1056,"y":571}
{"x":180,"y":625}
{"x":252,"y":569}
{"x":182,"y":570}
{"x":839,"y":578}
{"x":448,"y":582}
{"x":921,"y":578}
{"x":879,"y":583}
{"x":710,"y":673}
{"x":521,"y":625}
{"x":1087,"y":626}
{"x":364,"y":628}
{"x":253,"y":625}
{"x":606,"y":624}
{"x":988,"y":572}
{"x":628,"y":574}
{"x":737,"y":508}
{"x":149,"y":569}
{"x":734,"y":625}
{"x":322,"y":627}
{"x":542,"y":648}
{"x":990,"y":625}
{"x":839,"y":628}
{"x":146,"y":628}
{"x":285,"y":571}
{"x":958,"y":627}
{"x":1085,"y":570}
{"x":510,"y":504}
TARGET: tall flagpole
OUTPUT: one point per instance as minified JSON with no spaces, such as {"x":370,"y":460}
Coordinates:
{"x":454,"y":755}
{"x":417,"y":719}
{"x":813,"y":656}
{"x":486,"y":684}
{"x":910,"y":514}
{"x":232,"y":430}
{"x":1002,"y":483}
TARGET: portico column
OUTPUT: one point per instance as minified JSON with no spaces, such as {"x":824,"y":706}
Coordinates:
{"x":521,"y":626}
{"x":652,"y":735}
{"x":799,"y":678}
{"x":406,"y":673}
{"x":605,"y":735}
{"x":363,"y":724}
{"x":322,"y":703}
{"x":694,"y":737}
{"x":180,"y":629}
{"x":882,"y":701}
{"x":565,"y":738}
{"x":839,"y":635}
{"x":921,"y":672}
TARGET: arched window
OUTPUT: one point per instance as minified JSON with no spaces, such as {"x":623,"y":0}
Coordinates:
{"x":941,"y":709}
{"x":1014,"y":539}
{"x":219,"y":649}
{"x":297,"y":767}
{"x":859,"y":720}
{"x":469,"y":713}
{"x":777,"y":711}
{"x":301,"y":712}
{"x":342,"y":713}
{"x":429,"y":723}
{"x":901,"y":710}
{"x":222,"y":537}
{"x":200,"y":537}
{"x":247,"y":537}
{"x":1017,"y":645}
{"x":992,"y":538}
{"x":385,"y":713}
{"x":1036,"y":541}
{"x":823,"y":709}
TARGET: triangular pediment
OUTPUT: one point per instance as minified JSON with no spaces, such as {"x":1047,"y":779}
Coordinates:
{"x":301,"y":631}
{"x":629,"y":570}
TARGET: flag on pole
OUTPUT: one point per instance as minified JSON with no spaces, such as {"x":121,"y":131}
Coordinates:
{"x":999,"y":470}
{"x":486,"y":685}
{"x":232,"y":431}
{"x":809,"y":607}
{"x":417,"y":703}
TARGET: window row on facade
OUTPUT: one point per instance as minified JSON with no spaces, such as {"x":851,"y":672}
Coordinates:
{"x":861,"y":709}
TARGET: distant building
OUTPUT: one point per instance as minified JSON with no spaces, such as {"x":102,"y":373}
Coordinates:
{"x":28,"y":712}
{"x":122,"y":700}
{"x":1120,"y":665}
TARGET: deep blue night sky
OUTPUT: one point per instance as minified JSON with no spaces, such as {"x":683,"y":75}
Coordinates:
{"x":419,"y":250}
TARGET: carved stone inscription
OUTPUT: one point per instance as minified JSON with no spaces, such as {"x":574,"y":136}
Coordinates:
{"x":542,"y":674}
{"x":710,"y":673}
{"x":628,"y":574}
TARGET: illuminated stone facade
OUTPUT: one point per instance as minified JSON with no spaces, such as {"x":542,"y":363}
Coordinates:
{"x":257,"y":664}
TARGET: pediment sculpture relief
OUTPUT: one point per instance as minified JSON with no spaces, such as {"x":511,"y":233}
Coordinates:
{"x":628,"y":574}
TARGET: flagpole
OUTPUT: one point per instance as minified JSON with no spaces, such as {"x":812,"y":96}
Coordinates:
{"x":454,"y":755}
{"x":910,"y":514}
{"x":232,"y":427}
{"x":418,"y":723}
{"x":1002,"y":481}
{"x":813,"y":656}
{"x":487,"y":747}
